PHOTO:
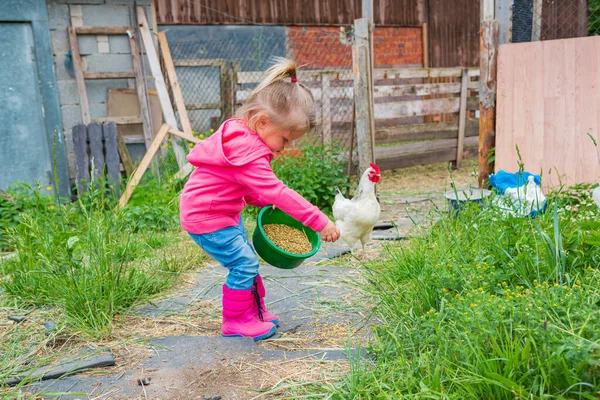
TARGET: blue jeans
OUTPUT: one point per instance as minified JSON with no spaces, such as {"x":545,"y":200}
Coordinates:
{"x":231,"y":248}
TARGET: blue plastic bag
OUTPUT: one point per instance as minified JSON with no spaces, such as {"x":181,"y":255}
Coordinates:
{"x":502,"y":180}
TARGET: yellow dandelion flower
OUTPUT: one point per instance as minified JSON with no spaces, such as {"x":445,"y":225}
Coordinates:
{"x":201,"y":136}
{"x":212,"y":130}
{"x":510,"y":297}
{"x":49,"y":188}
{"x":191,"y":145}
{"x":164,"y":146}
{"x":51,"y":207}
{"x":473,"y":305}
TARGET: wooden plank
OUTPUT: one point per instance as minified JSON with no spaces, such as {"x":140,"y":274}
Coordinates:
{"x":488,"y":10}
{"x":184,"y":136}
{"x":362,"y":89}
{"x":536,"y":21}
{"x":174,"y":82}
{"x":325,"y":109}
{"x":235,"y":70}
{"x":124,"y":102}
{"x":409,"y":133}
{"x":82,"y":161}
{"x":203,"y":106}
{"x":422,"y":147}
{"x":410,"y":160}
{"x":221,"y":63}
{"x":96,"y":149}
{"x":134,"y":140}
{"x":126,"y":120}
{"x":159,"y":82}
{"x":383,"y":91}
{"x":462,"y":119}
{"x":487,"y":97}
{"x":137,"y":176}
{"x":124,"y":154}
{"x":103,"y":30}
{"x":425,"y":40}
{"x":109,"y":133}
{"x":227,"y":97}
{"x":303,"y":75}
{"x":76,"y":58}
{"x":109,"y":75}
{"x":547,"y":105}
{"x":416,"y":108}
{"x":142,"y":95}
{"x":378,"y":74}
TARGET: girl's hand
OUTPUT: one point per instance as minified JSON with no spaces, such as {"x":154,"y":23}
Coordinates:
{"x":330,"y":233}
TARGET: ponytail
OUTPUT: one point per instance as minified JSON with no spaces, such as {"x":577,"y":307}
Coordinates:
{"x":288,"y":103}
{"x":284,"y":68}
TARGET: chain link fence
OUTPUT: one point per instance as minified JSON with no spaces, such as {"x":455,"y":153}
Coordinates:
{"x":217,"y":76}
{"x":534,"y":20}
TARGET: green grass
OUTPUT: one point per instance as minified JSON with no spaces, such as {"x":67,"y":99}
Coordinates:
{"x":488,"y":306}
{"x":91,"y":260}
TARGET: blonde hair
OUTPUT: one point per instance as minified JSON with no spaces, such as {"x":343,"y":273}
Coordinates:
{"x":287,"y":102}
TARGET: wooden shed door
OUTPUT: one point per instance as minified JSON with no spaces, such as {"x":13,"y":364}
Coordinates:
{"x":24,"y":152}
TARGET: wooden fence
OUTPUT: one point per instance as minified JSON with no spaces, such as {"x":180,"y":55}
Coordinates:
{"x":402,"y":138}
{"x":548,"y":102}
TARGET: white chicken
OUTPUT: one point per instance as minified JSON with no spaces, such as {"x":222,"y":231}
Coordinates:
{"x":596,"y":196}
{"x":356,"y":218}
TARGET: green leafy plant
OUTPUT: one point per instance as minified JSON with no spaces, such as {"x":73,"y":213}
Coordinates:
{"x":314,"y":172}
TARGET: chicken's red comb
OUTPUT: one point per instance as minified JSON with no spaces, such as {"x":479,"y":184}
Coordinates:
{"x":375,"y":167}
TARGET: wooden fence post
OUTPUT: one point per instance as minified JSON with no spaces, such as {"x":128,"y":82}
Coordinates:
{"x":363,"y":89}
{"x":462,"y":117}
{"x":325,"y":108}
{"x":487,"y":97}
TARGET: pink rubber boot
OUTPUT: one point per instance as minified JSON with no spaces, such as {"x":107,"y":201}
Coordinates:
{"x":266,"y":315}
{"x":239,"y":316}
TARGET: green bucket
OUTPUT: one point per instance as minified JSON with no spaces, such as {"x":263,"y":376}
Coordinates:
{"x":269,"y":251}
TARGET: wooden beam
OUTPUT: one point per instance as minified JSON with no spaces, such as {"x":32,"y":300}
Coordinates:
{"x":82,"y":161}
{"x":184,"y":136}
{"x":103,"y":30}
{"x":109,"y":134}
{"x":326,"y":109}
{"x":422,"y":147}
{"x":425,"y":38}
{"x":487,"y":9}
{"x":175,"y":88}
{"x":200,"y":63}
{"x":159,"y":82}
{"x":109,"y":75}
{"x":124,"y":155}
{"x":76,"y":58}
{"x":142,"y":97}
{"x":487,"y":97}
{"x":536,"y":21}
{"x":137,"y":176}
{"x":134,"y":119}
{"x":433,"y":131}
{"x":363,"y":89}
{"x":203,"y":106}
{"x":462,"y":118}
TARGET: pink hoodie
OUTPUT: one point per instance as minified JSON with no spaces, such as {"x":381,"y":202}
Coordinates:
{"x":234,"y":169}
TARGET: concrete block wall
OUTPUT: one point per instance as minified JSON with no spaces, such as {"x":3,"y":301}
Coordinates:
{"x":99,"y":53}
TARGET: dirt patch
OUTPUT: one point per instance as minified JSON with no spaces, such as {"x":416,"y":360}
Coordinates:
{"x":249,"y":379}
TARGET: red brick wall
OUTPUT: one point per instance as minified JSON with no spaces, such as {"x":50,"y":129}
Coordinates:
{"x":329,"y":47}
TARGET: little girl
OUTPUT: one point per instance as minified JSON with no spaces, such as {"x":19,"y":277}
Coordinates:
{"x":234,"y":170}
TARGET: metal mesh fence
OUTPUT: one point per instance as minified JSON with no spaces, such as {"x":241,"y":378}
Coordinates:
{"x":534,"y":20}
{"x":217,"y":76}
